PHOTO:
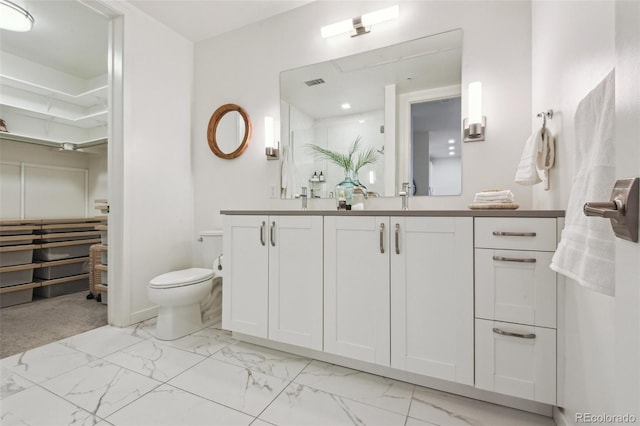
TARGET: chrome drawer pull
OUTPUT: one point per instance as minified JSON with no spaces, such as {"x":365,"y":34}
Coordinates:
{"x":397,"y":238}
{"x":382,"y":238}
{"x":262,"y":233}
{"x":514,"y":234}
{"x":513,"y":259}
{"x":510,"y":334}
{"x":272,"y":236}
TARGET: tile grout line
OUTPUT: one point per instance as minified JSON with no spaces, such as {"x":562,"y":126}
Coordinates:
{"x":283,"y":389}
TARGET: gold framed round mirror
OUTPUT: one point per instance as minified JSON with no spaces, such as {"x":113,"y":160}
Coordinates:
{"x":229,"y":131}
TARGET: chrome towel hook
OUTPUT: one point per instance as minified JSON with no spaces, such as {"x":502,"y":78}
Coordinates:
{"x":545,"y":114}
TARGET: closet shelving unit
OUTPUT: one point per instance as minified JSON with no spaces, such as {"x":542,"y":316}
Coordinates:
{"x":45,"y":257}
{"x":38,"y":112}
{"x":98,"y":273}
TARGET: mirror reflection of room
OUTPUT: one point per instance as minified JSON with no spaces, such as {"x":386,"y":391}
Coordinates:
{"x":435,"y":143}
{"x":332,"y":103}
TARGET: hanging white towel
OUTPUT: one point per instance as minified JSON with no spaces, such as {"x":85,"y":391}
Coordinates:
{"x":586,"y":252}
{"x":546,"y":150}
{"x":546,"y":155}
{"x":526,"y":174}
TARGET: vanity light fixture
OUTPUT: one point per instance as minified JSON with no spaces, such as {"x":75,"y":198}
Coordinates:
{"x":14,"y":17}
{"x":270,"y":144}
{"x":475,"y":123}
{"x":360,"y":24}
{"x":345,"y":106}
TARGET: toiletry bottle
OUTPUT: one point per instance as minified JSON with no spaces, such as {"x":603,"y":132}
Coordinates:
{"x":321,"y":177}
{"x":342,"y":201}
{"x":315,"y":177}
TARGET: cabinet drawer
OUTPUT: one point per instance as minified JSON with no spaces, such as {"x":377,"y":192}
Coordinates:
{"x":515,"y":286}
{"x":516,"y":360}
{"x":516,"y":233}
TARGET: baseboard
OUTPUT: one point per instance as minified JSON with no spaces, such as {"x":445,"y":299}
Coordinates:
{"x":143,"y":315}
{"x":429,"y":382}
{"x":560,"y":418}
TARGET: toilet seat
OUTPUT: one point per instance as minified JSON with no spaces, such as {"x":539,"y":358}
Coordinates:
{"x":182,"y":278}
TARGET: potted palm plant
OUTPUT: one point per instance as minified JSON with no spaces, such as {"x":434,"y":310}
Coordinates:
{"x":351,"y":163}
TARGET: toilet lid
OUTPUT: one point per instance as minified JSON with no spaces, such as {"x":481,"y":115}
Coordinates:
{"x":182,"y":278}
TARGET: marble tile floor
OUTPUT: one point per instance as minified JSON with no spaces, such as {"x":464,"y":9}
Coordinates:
{"x":124,"y":376}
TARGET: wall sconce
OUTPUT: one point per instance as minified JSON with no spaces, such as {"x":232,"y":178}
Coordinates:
{"x":360,"y":24}
{"x":270,"y":144}
{"x":475,"y":123}
{"x":14,"y":17}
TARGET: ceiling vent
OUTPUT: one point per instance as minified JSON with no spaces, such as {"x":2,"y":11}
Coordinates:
{"x":314,"y":82}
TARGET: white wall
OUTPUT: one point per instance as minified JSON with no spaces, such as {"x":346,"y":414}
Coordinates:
{"x":573,"y":50}
{"x":56,"y":205}
{"x":243,"y":67}
{"x":627,"y":164}
{"x":151,"y":160}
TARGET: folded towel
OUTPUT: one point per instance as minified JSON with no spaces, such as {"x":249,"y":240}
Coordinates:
{"x":526,"y":174}
{"x":586,"y":252}
{"x":497,"y":196}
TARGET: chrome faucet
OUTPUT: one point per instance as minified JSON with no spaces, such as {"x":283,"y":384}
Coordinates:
{"x":404,"y":194}
{"x":303,"y":197}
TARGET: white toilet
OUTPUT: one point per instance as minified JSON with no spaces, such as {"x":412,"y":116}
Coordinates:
{"x":186,"y":298}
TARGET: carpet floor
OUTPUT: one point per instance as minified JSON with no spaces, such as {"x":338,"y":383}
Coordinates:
{"x":46,"y":320}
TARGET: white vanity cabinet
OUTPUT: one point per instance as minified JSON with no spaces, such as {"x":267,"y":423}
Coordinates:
{"x":515,"y":307}
{"x":399,"y":292}
{"x":464,"y":298}
{"x":432,"y":296}
{"x":356,"y":287}
{"x":272,"y":285}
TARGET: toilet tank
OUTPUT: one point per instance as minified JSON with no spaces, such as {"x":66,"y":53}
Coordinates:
{"x":208,"y":249}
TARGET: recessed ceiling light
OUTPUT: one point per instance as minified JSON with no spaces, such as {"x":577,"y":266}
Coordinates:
{"x":452,"y":141}
{"x":14,"y":17}
{"x":346,"y":105}
{"x":360,"y":121}
{"x":451,"y":148}
{"x":452,"y":153}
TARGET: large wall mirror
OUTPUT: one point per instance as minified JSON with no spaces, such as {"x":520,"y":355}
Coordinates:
{"x":403,"y":101}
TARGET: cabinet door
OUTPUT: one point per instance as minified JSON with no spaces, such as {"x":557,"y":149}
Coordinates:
{"x":356,"y":298}
{"x":432,"y":296}
{"x":295,"y":280}
{"x":246,"y":274}
{"x":516,"y":286}
{"x":517,"y":360}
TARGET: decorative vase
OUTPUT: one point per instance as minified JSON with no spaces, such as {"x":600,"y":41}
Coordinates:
{"x":346,"y":187}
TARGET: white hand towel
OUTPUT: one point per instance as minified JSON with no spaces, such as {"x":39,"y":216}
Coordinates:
{"x":586,"y":252}
{"x":526,"y":174}
{"x":545,"y":156}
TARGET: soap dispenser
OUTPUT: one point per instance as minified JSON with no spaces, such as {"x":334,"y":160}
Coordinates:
{"x":342,"y":201}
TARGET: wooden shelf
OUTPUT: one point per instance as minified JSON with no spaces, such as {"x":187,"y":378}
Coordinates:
{"x":11,"y":289}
